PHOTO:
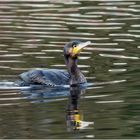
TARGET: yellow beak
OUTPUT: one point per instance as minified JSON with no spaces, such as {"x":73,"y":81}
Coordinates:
{"x":79,"y":47}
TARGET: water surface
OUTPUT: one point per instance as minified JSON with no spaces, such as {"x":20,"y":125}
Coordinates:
{"x":32,"y":35}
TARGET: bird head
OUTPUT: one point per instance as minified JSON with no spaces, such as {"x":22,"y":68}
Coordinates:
{"x":73,"y":48}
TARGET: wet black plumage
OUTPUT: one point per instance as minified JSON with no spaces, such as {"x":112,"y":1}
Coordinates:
{"x":52,"y":77}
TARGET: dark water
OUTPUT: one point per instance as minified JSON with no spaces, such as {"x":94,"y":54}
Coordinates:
{"x":32,"y":35}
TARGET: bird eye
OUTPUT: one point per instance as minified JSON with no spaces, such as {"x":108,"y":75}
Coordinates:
{"x":74,"y":46}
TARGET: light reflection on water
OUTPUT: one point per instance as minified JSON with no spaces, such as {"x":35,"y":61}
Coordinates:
{"x":32,"y":35}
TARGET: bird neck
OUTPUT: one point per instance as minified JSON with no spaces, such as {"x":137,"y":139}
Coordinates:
{"x":72,"y":67}
{"x":76,"y":76}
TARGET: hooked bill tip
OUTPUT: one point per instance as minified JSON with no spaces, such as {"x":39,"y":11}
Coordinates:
{"x":88,"y":42}
{"x":84,"y":44}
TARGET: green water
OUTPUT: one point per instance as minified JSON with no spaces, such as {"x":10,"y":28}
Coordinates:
{"x":32,"y":35}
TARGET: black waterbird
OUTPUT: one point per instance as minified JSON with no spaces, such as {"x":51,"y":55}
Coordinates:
{"x":55,"y":77}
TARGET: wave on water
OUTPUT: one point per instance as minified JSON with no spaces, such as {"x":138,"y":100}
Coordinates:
{"x":13,"y":85}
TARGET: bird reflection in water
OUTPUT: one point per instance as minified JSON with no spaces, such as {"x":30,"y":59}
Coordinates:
{"x":74,"y":116}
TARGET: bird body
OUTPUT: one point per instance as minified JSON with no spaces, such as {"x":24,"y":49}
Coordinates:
{"x":53,"y":77}
{"x":46,"y":77}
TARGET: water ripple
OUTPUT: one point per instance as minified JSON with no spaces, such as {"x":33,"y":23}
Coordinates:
{"x":11,"y":55}
{"x":111,"y":13}
{"x":45,"y":57}
{"x":123,"y":19}
{"x":83,"y":57}
{"x":105,"y":44}
{"x":119,"y":56}
{"x":105,"y":49}
{"x":135,"y":5}
{"x":56,"y":50}
{"x":106,"y":102}
{"x":99,"y":28}
{"x":96,"y":24}
{"x":10,"y":98}
{"x":3,"y":51}
{"x":135,"y":31}
{"x":109,"y":82}
{"x":4,"y":67}
{"x":118,"y":3}
{"x":11,"y":61}
{"x":124,"y":40}
{"x":119,"y":64}
{"x":117,"y":70}
{"x":122,"y":34}
{"x":8,"y":104}
{"x":33,"y":53}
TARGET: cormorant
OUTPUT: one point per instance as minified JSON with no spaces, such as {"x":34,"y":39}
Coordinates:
{"x":53,"y":77}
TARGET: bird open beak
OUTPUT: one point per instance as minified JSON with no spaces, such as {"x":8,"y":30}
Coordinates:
{"x":80,"y":47}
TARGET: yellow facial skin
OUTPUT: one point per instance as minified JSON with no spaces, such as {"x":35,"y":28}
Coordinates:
{"x":78,"y":48}
{"x":74,"y":51}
